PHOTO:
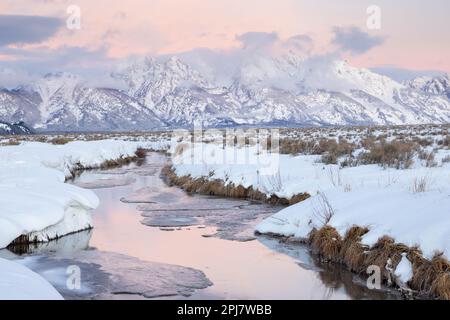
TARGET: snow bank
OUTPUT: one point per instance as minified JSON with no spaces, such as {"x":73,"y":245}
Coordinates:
{"x":412,"y":219}
{"x":19,"y":283}
{"x":384,"y":200}
{"x":34,"y":198}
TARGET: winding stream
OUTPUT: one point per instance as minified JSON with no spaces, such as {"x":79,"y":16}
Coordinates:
{"x":154,"y":241}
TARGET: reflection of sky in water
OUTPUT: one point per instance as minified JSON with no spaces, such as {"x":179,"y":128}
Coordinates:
{"x":239,"y":270}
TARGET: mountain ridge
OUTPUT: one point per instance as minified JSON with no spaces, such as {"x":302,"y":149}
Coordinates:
{"x":19,"y":128}
{"x":170,"y":93}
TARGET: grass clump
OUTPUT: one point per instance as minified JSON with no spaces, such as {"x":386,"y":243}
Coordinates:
{"x":352,"y":252}
{"x":60,"y":140}
{"x":141,"y":153}
{"x":395,"y":154}
{"x":326,"y":242}
{"x":331,"y":150}
{"x":217,"y":187}
{"x":431,"y":276}
{"x":296,"y":146}
{"x":446,"y":159}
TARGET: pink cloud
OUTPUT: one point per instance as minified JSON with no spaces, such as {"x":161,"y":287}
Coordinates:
{"x":142,"y":27}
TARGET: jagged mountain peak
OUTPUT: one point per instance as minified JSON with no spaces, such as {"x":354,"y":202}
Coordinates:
{"x":261,"y":90}
{"x":436,"y":85}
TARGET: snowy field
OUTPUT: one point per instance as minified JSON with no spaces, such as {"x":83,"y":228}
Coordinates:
{"x":405,"y":196}
{"x":394,"y":181}
{"x":18,"y":282}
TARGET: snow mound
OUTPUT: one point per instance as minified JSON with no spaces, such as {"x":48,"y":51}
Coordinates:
{"x":34,"y":197}
{"x":19,"y":283}
{"x":412,"y":219}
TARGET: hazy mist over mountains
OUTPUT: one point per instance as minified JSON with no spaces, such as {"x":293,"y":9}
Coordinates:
{"x":245,"y":87}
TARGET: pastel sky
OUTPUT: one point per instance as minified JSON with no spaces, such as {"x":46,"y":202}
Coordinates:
{"x":414,"y":34}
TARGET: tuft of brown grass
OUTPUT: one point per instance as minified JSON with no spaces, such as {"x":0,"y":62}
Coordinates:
{"x":331,"y":150}
{"x":397,"y":153}
{"x":12,"y":142}
{"x":298,"y":198}
{"x":115,"y":163}
{"x":441,"y":286}
{"x":60,"y":140}
{"x":296,"y":146}
{"x":326,"y":242}
{"x":352,"y":252}
{"x":382,"y":252}
{"x":141,"y":153}
{"x":431,"y":277}
{"x":217,"y":187}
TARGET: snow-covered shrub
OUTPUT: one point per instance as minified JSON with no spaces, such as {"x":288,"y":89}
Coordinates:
{"x":397,"y":153}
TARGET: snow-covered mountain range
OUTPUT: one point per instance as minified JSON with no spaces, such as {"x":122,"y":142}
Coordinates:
{"x":164,"y":93}
{"x":14,"y":128}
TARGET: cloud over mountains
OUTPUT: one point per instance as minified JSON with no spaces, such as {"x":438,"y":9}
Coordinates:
{"x":19,"y":29}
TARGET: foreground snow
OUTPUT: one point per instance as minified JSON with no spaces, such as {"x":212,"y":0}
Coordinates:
{"x":412,"y":219}
{"x":34,"y":197}
{"x":19,"y":283}
{"x":384,"y":200}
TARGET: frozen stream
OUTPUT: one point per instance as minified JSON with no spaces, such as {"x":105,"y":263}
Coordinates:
{"x":153,"y":241}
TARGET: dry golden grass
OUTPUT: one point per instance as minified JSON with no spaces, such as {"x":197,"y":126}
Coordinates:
{"x":12,"y":142}
{"x":383,"y":251}
{"x":116,"y":162}
{"x":78,"y":168}
{"x":296,"y":146}
{"x":441,"y":286}
{"x":217,"y":187}
{"x":326,"y":242}
{"x":298,"y":198}
{"x":429,"y":277}
{"x":141,"y":153}
{"x":352,"y":252}
{"x":330,"y":149}
{"x":397,"y":153}
{"x":60,"y":140}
